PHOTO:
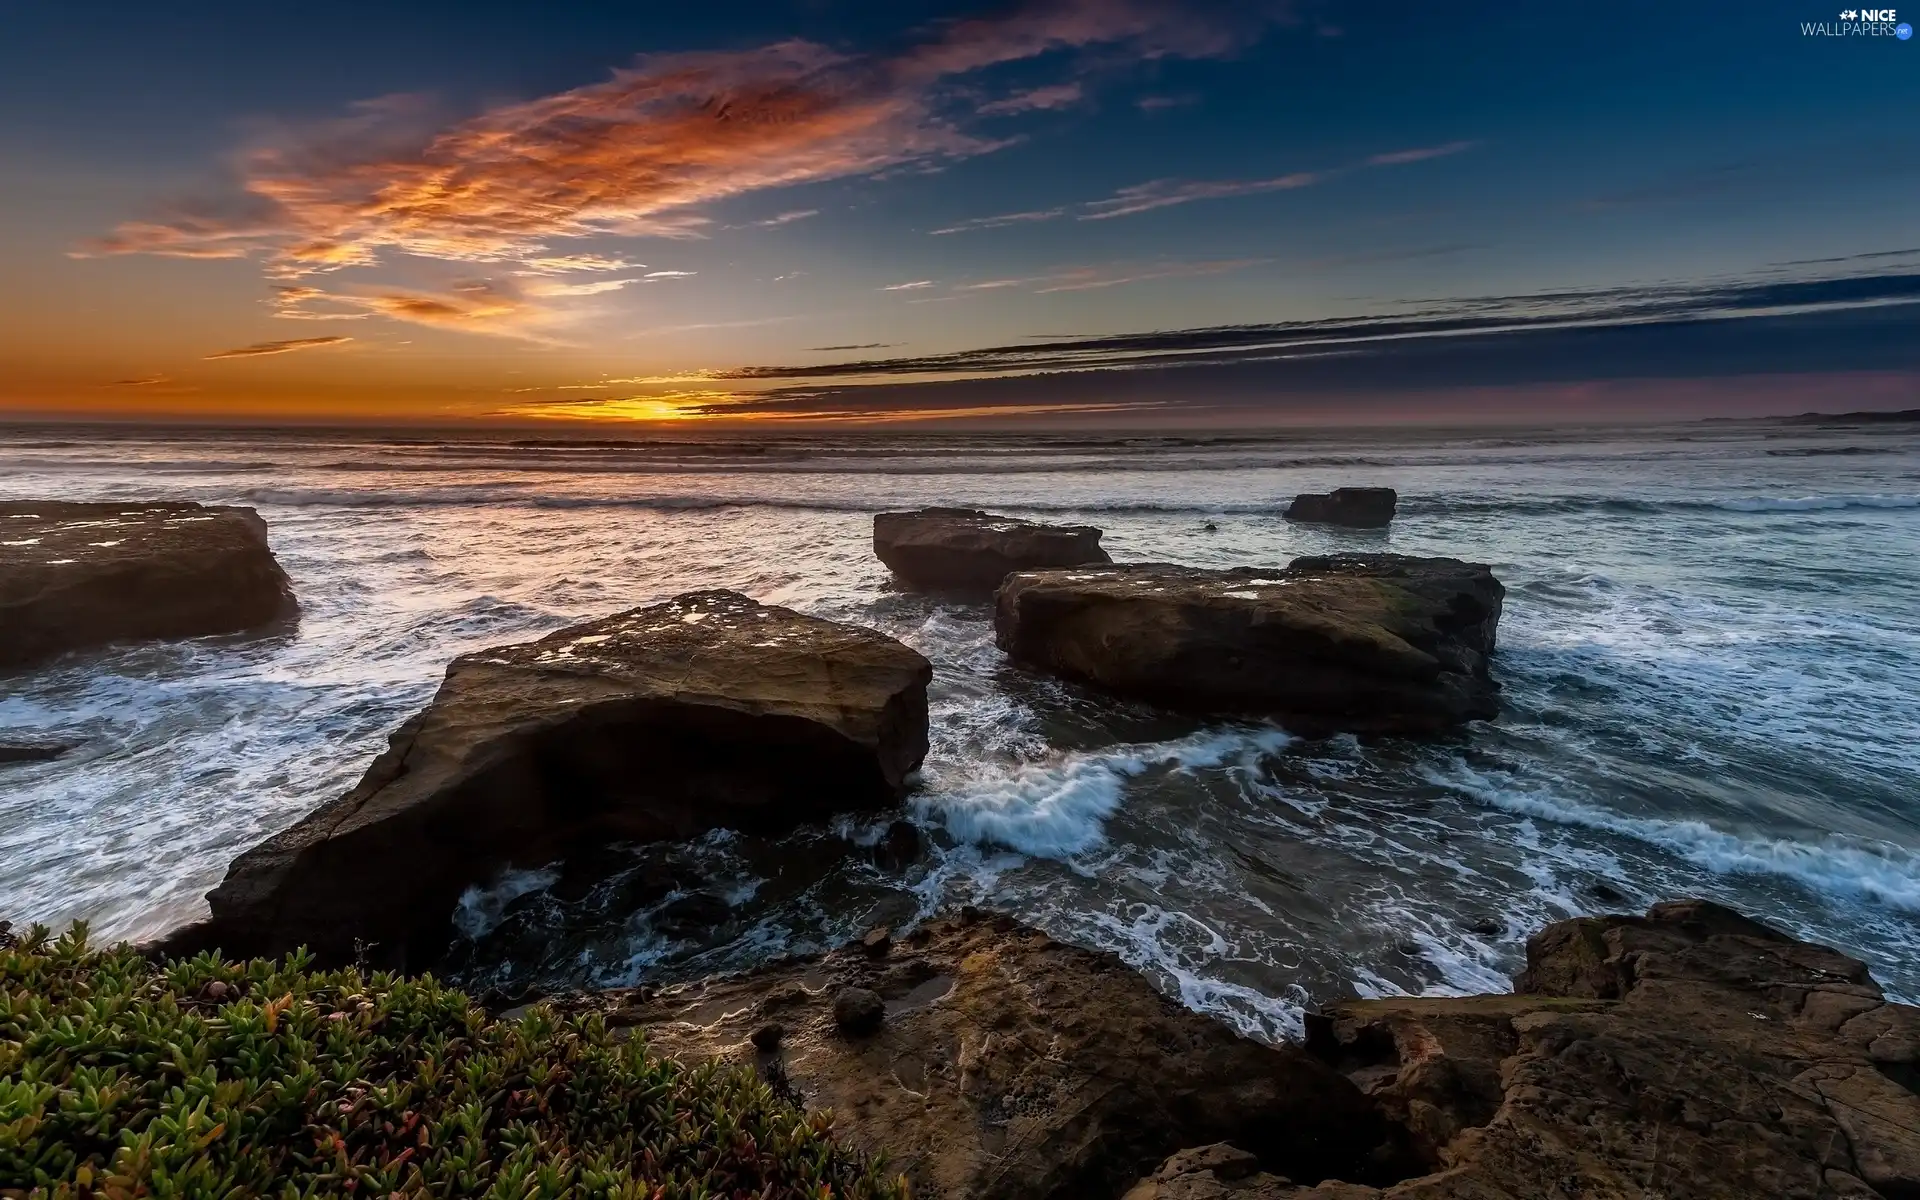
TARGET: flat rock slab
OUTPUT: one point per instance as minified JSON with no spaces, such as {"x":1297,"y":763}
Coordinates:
{"x":80,"y":576}
{"x":966,"y":550}
{"x":661,"y":723}
{"x":1008,"y":1066}
{"x":1692,"y":1054}
{"x":1358,"y":507}
{"x":1378,"y":643}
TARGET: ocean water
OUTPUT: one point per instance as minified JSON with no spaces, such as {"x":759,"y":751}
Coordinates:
{"x":1710,"y":659}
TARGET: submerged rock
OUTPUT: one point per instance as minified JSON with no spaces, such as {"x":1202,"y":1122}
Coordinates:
{"x":45,"y":752}
{"x":80,"y":576}
{"x":661,"y":723}
{"x":900,"y":847}
{"x":1358,"y":507}
{"x":1690,"y":1053}
{"x":692,"y":916}
{"x":964,"y":549}
{"x":1010,"y":1066}
{"x":1375,"y":643}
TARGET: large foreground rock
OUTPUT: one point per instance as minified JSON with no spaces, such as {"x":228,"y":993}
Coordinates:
{"x":1359,"y":507}
{"x":659,"y":723}
{"x":1378,"y":643}
{"x":964,"y":549}
{"x":1007,"y":1066}
{"x":79,"y":576}
{"x":1691,"y":1054}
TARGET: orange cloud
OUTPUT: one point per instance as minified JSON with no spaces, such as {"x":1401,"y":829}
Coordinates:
{"x":263,"y":348}
{"x":475,"y":306}
{"x":183,"y":239}
{"x":643,"y":152}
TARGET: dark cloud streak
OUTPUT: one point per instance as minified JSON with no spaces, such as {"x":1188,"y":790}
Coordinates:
{"x":1499,"y":316}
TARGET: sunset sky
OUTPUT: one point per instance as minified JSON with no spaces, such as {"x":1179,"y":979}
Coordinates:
{"x":1114,"y":211}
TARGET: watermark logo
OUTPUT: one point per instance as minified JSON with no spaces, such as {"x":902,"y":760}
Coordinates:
{"x":1860,"y":22}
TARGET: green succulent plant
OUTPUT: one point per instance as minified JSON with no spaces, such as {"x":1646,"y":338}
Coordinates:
{"x":123,"y":1078}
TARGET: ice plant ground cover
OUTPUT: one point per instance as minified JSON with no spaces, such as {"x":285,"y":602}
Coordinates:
{"x":121,"y":1077}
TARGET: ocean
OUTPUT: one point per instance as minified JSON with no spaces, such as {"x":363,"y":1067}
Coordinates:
{"x":1709,"y":659}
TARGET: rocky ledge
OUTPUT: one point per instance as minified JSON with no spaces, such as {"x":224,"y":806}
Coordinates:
{"x":1691,"y":1054}
{"x":80,"y":576}
{"x":992,"y":1063}
{"x":966,"y":550}
{"x":659,"y":723}
{"x":1369,"y":643}
{"x":1358,"y":507}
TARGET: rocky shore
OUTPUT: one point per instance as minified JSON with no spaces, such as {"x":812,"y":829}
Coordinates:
{"x":1689,"y":1054}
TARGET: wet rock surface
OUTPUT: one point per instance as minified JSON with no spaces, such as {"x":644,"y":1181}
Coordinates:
{"x":1009,"y":1066}
{"x":32,"y":752}
{"x":1690,"y":1053}
{"x":967,"y":550}
{"x":1369,"y":643}
{"x":657,"y":724}
{"x":1219,"y":1170}
{"x":81,"y":576}
{"x":1357,"y":507}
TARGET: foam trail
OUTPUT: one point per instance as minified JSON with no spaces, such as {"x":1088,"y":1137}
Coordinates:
{"x":1760,"y":504}
{"x":1144,"y":941}
{"x":1880,"y":872}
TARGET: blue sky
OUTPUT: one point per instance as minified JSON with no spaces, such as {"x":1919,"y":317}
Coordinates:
{"x":437,"y":210}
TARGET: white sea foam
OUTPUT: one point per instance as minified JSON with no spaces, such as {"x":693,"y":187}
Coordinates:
{"x":1148,"y":938}
{"x":1058,"y":807}
{"x":1762,"y":504}
{"x":1882,"y":873}
{"x":481,"y":908}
